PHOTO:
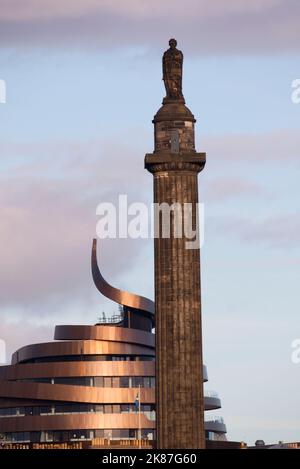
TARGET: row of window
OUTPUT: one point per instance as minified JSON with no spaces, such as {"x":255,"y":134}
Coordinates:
{"x":90,"y":358}
{"x":147,"y":409}
{"x":101,"y":381}
{"x":75,"y":435}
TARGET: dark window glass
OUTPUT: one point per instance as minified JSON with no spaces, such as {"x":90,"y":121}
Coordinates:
{"x":35,"y":437}
{"x":152,"y":382}
{"x":61,"y":380}
{"x":124,"y":382}
{"x":125,"y":408}
{"x":116,"y":434}
{"x":45,"y":410}
{"x":36,"y":410}
{"x":137,"y":381}
{"x":146,"y":382}
{"x":76,"y":358}
{"x":108,"y":409}
{"x":57,"y":436}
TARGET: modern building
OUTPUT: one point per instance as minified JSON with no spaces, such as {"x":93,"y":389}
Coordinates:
{"x":84,"y":386}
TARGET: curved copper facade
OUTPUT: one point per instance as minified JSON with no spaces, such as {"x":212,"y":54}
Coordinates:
{"x":109,"y":333}
{"x":18,"y":392}
{"x":71,"y":394}
{"x":19,"y":389}
{"x":80,"y":348}
{"x":119,"y":296}
{"x":79,"y":369}
{"x":67,"y":422}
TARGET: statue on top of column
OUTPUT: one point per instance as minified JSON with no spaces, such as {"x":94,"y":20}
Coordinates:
{"x":172,"y":71}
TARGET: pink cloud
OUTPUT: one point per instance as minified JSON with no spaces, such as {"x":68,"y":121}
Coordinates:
{"x":278,"y":146}
{"x":48,"y":213}
{"x":228,"y":26}
{"x":47,"y":208}
{"x":16,"y":334}
{"x":279,"y":231}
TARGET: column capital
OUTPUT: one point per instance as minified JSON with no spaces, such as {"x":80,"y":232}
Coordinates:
{"x":157,"y":162}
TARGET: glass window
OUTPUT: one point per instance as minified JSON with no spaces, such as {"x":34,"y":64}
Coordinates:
{"x":20,"y":411}
{"x":108,"y":409}
{"x":48,"y":436}
{"x":116,"y":434}
{"x":61,"y":380}
{"x":57,"y":436}
{"x":98,"y":408}
{"x":45,"y":410}
{"x":99,"y":381}
{"x":152,"y":382}
{"x":107,"y":382}
{"x":28,"y":411}
{"x":59,"y":409}
{"x":35,"y":437}
{"x":107,"y":434}
{"x":86,"y":408}
{"x":125,"y":408}
{"x":147,"y":382}
{"x":124,"y":382}
{"x":116,"y":382}
{"x":137,"y":381}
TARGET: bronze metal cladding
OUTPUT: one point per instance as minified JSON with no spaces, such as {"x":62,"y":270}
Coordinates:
{"x":15,"y":391}
{"x":109,"y":333}
{"x":80,"y":347}
{"x":69,"y":422}
{"x":77,"y":369}
{"x":68,"y":393}
{"x":119,"y":296}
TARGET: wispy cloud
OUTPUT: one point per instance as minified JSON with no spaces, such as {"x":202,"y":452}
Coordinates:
{"x":229,"y":187}
{"x":280,"y":146}
{"x":277,"y":231}
{"x":48,"y":213}
{"x":223,"y":26}
{"x":16,"y":334}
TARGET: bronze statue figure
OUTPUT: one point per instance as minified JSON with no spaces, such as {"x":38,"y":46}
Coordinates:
{"x":172,"y":71}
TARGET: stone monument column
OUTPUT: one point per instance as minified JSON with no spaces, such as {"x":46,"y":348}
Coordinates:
{"x":175,"y":165}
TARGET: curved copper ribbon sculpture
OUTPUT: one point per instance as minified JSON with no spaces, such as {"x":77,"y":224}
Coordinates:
{"x":119,"y":296}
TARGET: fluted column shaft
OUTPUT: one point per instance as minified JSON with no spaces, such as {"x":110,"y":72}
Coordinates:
{"x":179,"y":376}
